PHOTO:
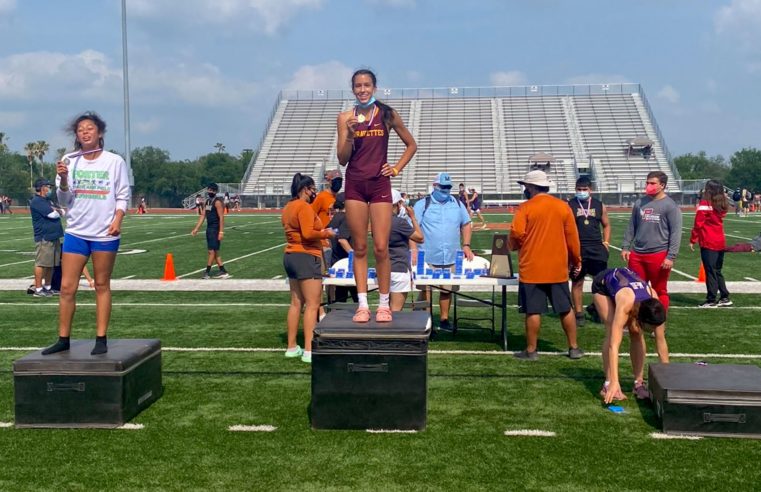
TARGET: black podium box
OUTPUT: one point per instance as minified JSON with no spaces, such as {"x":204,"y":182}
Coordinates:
{"x":370,"y":375}
{"x":707,"y":400}
{"x":76,"y":389}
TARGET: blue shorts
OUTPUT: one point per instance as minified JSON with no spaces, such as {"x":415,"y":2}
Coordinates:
{"x":79,"y":246}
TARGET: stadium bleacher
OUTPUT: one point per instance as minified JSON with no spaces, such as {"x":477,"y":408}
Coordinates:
{"x":481,"y":136}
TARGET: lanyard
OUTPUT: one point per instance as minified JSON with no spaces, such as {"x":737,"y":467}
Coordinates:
{"x":585,"y":211}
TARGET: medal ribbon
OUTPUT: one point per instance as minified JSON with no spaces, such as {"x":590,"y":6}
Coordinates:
{"x":585,"y":211}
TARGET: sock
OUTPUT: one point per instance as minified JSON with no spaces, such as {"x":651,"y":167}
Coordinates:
{"x":222,"y":269}
{"x":100,"y":347}
{"x":363,"y":300}
{"x":383,"y":300}
{"x":61,"y":345}
{"x":307,"y":353}
{"x":208,"y":269}
{"x":38,"y":289}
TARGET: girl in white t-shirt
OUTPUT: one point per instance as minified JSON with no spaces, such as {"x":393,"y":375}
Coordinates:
{"x":93,"y":185}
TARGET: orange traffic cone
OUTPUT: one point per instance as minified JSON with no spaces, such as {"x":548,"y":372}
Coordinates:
{"x":169,"y":268}
{"x":701,"y":274}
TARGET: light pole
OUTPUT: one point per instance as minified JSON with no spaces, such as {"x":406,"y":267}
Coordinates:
{"x":125,"y":78}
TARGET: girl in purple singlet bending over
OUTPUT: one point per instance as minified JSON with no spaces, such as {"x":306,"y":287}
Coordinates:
{"x":363,"y":147}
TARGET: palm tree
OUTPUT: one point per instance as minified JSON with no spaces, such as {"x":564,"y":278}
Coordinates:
{"x":42,"y":148}
{"x":220,"y":147}
{"x":31,"y":152}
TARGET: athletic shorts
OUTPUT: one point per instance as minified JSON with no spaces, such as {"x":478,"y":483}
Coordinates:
{"x":212,"y":240}
{"x":453,"y":288}
{"x":532,"y":298}
{"x":302,"y":266}
{"x":591,"y":268}
{"x":401,"y":282}
{"x":47,"y":254}
{"x":373,"y":190}
{"x":78,"y":246}
{"x":598,"y":285}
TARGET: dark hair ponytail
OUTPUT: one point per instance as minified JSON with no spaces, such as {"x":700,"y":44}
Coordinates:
{"x":300,"y":181}
{"x":387,"y":112}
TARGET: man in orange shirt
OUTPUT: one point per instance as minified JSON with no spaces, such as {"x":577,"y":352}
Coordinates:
{"x":544,"y":232}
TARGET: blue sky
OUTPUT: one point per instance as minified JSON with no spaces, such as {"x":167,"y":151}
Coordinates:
{"x":207,"y":71}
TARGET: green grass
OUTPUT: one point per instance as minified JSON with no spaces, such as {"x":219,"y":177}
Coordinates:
{"x":472,"y":399}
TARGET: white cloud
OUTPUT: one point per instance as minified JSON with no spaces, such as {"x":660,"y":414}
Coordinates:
{"x":267,"y":15}
{"x":510,"y":78}
{"x":739,"y":17}
{"x":597,"y":78}
{"x":91,"y":76}
{"x":7,"y":6}
{"x":330,"y":75}
{"x":12,"y":119}
{"x":668,"y":93}
{"x":148,"y":126}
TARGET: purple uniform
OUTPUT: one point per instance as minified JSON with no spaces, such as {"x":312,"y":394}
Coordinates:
{"x":364,"y":181}
{"x":610,"y":281}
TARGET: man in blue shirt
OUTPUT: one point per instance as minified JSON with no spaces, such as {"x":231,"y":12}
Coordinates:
{"x":46,"y":221}
{"x":444,"y":220}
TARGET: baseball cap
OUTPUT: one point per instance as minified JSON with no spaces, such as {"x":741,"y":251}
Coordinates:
{"x":40,"y":183}
{"x":396,"y":197}
{"x":443,"y":179}
{"x":537,"y":178}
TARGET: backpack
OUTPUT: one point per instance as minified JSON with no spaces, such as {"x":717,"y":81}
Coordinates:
{"x":736,"y":196}
{"x":428,"y":204}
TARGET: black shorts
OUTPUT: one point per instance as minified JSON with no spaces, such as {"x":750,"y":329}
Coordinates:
{"x":598,"y":285}
{"x":212,"y":240}
{"x":302,"y":266}
{"x":532,"y":298}
{"x":591,"y":268}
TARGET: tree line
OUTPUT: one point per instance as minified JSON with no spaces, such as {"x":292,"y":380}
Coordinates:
{"x":165,"y":182}
{"x":162,"y":181}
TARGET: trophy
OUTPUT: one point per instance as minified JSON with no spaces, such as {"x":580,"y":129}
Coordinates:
{"x":501,"y":265}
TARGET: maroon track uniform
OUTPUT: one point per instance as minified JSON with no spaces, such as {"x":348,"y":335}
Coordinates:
{"x":364,"y":181}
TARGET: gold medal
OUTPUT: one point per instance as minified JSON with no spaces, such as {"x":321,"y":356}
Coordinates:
{"x":361,"y":118}
{"x":586,"y":221}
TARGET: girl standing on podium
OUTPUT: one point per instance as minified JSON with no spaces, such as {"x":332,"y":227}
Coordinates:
{"x":304,"y":233}
{"x":363,"y":133}
{"x":93,"y":184}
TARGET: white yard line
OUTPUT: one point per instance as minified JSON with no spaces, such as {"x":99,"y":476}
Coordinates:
{"x":128,"y":277}
{"x":530,"y":433}
{"x":660,"y":435}
{"x":252,"y":428}
{"x":130,"y":245}
{"x":16,"y":263}
{"x":234,"y":259}
{"x":684,"y":274}
{"x":5,"y":425}
{"x":752,"y":279}
{"x":391,"y":431}
{"x":129,"y":426}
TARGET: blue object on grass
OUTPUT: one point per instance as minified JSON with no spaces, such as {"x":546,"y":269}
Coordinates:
{"x":616,"y":409}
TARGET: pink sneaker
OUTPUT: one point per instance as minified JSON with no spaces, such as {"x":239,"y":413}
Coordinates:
{"x":640,"y":391}
{"x":362,"y":315}
{"x":383,"y":315}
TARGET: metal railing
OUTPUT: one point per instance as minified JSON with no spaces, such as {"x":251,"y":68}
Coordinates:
{"x":662,"y":141}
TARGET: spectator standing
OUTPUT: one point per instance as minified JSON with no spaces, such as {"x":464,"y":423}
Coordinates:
{"x":444,"y":221}
{"x":405,"y":231}
{"x":199,"y":205}
{"x":215,"y":231}
{"x":544,"y":233}
{"x":591,"y":216}
{"x":652,"y":240}
{"x":340,"y":247}
{"x":322,"y":205}
{"x":304,"y":234}
{"x":708,"y":233}
{"x":475,"y":206}
{"x":46,"y":221}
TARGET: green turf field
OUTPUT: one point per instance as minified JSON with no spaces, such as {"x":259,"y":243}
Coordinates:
{"x":472,"y":398}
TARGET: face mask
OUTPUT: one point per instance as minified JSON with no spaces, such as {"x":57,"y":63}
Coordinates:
{"x":652,"y":189}
{"x":211,"y":195}
{"x":49,"y":193}
{"x":402,"y":212}
{"x":582,"y":195}
{"x":527,"y":194}
{"x":407,"y":202}
{"x":311,"y":197}
{"x":336,"y":184}
{"x":440,"y":195}
{"x":368,"y":104}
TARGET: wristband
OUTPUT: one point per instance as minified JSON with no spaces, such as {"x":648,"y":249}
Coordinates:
{"x":395,"y":171}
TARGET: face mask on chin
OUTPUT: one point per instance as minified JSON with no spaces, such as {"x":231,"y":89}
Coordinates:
{"x":310,"y":198}
{"x":652,"y":189}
